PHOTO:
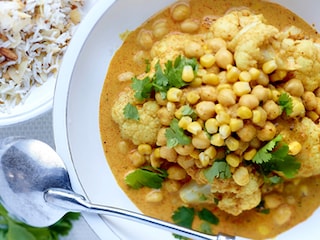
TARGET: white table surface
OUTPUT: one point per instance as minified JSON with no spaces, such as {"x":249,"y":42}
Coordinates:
{"x":41,"y":128}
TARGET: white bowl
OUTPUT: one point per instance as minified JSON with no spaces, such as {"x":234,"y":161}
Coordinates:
{"x":39,"y":99}
{"x":76,"y":112}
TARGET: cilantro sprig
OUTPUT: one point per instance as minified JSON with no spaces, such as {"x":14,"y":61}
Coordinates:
{"x":12,"y":230}
{"x":275,"y":157}
{"x":146,"y":177}
{"x":219,"y":169}
{"x":131,"y":112}
{"x":176,"y":135}
{"x":163,"y":79}
{"x":285,"y":103}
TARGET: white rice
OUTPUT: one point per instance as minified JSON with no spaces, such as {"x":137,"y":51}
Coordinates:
{"x":38,"y":32}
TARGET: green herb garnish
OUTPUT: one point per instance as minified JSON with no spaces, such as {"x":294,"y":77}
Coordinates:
{"x":13,"y":230}
{"x":146,"y":177}
{"x":176,"y":135}
{"x":219,"y":169}
{"x":131,"y":112}
{"x":274,"y":157}
{"x":188,"y":111}
{"x":163,"y":79}
{"x":208,"y":216}
{"x":285,"y":102}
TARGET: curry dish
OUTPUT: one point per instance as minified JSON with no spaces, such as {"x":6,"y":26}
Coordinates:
{"x":209,"y":117}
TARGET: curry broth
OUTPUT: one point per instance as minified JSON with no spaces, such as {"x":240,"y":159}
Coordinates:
{"x":250,"y":224}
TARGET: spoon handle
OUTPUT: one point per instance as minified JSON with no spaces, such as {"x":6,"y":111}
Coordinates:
{"x":77,"y":203}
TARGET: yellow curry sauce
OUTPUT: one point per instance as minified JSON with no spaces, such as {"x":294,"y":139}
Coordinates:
{"x":301,"y":196}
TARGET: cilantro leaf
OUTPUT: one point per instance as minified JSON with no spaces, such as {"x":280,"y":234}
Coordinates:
{"x":273,"y":157}
{"x":175,"y":135}
{"x":131,"y":112}
{"x":146,"y":177}
{"x":184,"y":216}
{"x":285,"y":102}
{"x":205,"y":227}
{"x":219,"y":169}
{"x":188,"y":111}
{"x":208,"y":216}
{"x":265,"y":153}
{"x":143,"y":88}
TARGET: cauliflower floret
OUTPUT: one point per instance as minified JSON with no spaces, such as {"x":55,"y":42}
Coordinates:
{"x":303,"y":57}
{"x":235,"y":199}
{"x":140,"y":131}
{"x":308,"y":135}
{"x":228,"y":26}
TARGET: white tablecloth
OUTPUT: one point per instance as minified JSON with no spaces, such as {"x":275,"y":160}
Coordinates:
{"x":41,"y":128}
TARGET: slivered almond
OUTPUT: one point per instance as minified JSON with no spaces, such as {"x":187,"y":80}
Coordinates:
{"x":8,"y":53}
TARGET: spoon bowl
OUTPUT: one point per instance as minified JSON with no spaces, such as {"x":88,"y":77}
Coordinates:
{"x":35,"y":188}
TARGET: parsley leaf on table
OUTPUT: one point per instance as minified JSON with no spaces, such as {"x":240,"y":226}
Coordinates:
{"x":219,"y":169}
{"x":131,"y":112}
{"x":12,"y":230}
{"x":175,"y":135}
{"x":146,"y":177}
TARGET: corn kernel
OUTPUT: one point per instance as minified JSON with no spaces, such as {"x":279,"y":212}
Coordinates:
{"x":156,"y":152}
{"x":269,"y":67}
{"x":193,"y":97}
{"x":155,"y":196}
{"x":248,"y":155}
{"x":187,"y":73}
{"x":232,"y":74}
{"x":196,"y":82}
{"x":207,"y":60}
{"x":224,"y":131}
{"x":232,"y":143}
{"x":256,"y":116}
{"x":211,"y":125}
{"x":194,"y":128}
{"x":245,"y":76}
{"x":294,"y":148}
{"x":278,"y":75}
{"x":223,"y":117}
{"x":235,"y":124}
{"x":241,"y":88}
{"x":244,"y":112}
{"x":217,"y":140}
{"x":210,"y":79}
{"x":144,"y":149}
{"x":184,"y":122}
{"x":204,"y":159}
{"x":211,"y":152}
{"x":195,"y":154}
{"x":313,"y":115}
{"x":233,"y":159}
{"x":254,"y":73}
{"x":174,"y":94}
{"x":241,"y":176}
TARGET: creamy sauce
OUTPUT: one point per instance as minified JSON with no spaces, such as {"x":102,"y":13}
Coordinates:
{"x":250,"y":224}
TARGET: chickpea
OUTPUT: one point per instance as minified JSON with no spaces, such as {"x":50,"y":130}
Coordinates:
{"x":160,"y":28}
{"x":272,"y":109}
{"x":261,"y":93}
{"x":226,"y":97}
{"x":137,"y":159}
{"x":180,"y":11}
{"x":208,"y":93}
{"x":154,"y":196}
{"x":247,"y":133}
{"x":186,"y":161}
{"x":294,"y":87}
{"x":249,"y":100}
{"x":145,"y":39}
{"x":263,"y":79}
{"x":172,"y":185}
{"x":176,"y":173}
{"x":205,"y":109}
{"x":201,"y":141}
{"x":193,"y":49}
{"x":161,"y":137}
{"x":165,"y":116}
{"x":168,"y":153}
{"x":215,"y":44}
{"x":273,"y":200}
{"x":190,"y":26}
{"x":241,"y":176}
{"x":268,"y":132}
{"x":283,"y":214}
{"x":224,"y":58}
{"x":309,"y":100}
{"x":184,"y":150}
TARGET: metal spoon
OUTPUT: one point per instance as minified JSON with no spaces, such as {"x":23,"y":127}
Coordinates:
{"x":35,"y":189}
